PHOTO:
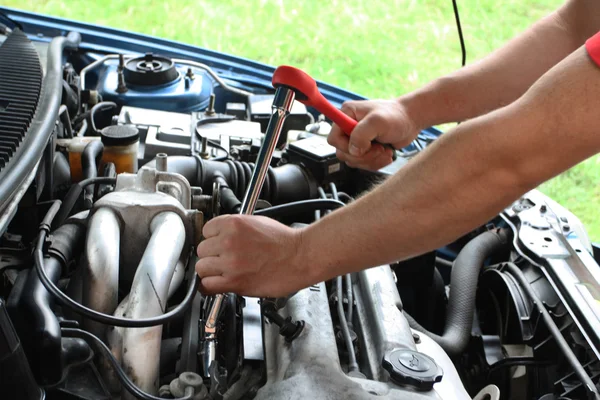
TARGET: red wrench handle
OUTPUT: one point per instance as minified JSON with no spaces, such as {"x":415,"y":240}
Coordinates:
{"x":346,"y":123}
{"x":308,"y":93}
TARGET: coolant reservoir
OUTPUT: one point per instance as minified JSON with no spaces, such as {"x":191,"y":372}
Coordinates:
{"x":75,"y":147}
{"x":121,"y":144}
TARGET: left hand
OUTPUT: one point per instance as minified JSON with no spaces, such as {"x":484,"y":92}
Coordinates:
{"x":251,"y":255}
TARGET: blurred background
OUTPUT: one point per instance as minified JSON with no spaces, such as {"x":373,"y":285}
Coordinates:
{"x":376,"y":48}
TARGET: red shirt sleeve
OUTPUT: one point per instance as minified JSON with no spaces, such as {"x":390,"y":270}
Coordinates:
{"x":592,"y":45}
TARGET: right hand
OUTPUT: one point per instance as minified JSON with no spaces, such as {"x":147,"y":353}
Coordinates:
{"x":386,"y":121}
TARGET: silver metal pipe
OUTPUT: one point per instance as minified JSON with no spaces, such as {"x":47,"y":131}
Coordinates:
{"x":101,"y":271}
{"x":282,"y":105}
{"x":148,"y":298}
{"x":213,"y":74}
{"x":95,"y":64}
{"x":161,"y":162}
{"x":114,"y":336}
{"x":177,"y":278}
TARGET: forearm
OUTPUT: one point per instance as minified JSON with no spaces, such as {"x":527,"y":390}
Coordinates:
{"x":467,"y":177}
{"x":507,"y":73}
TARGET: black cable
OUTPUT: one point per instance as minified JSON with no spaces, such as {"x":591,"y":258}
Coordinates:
{"x":347,"y":277}
{"x":121,"y":375}
{"x":344,"y":322}
{"x":300,"y":207}
{"x":82,"y":129}
{"x":73,"y":195}
{"x":74,"y":306}
{"x":463,"y":49}
{"x":334,"y":191}
{"x":322,"y":195}
{"x":345,"y":197}
{"x":352,"y":364}
{"x":586,"y":381}
{"x":104,"y":105}
{"x":218,"y":146}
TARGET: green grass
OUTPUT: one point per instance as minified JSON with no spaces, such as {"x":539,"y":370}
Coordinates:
{"x":378,"y":48}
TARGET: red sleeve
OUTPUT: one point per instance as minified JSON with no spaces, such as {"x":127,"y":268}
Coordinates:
{"x":592,"y":45}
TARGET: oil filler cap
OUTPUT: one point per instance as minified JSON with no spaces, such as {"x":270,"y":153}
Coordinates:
{"x":408,"y":367}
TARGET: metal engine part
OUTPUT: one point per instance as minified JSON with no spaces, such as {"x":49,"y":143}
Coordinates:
{"x":139,"y":233}
{"x":310,"y":367}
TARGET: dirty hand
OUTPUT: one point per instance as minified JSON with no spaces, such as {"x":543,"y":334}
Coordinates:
{"x":386,"y":121}
{"x":250,"y":255}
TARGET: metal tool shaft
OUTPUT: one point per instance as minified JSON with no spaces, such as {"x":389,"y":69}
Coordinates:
{"x":282,"y":105}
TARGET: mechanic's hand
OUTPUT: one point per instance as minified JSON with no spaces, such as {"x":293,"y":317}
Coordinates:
{"x":250,"y":255}
{"x":386,"y":121}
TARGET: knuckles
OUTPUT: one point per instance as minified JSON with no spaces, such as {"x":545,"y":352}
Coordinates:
{"x":348,"y":107}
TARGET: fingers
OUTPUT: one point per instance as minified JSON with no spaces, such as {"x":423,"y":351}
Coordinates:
{"x":338,"y":139}
{"x":213,"y":285}
{"x":210,"y":266}
{"x":375,"y":159}
{"x":359,"y":141}
{"x":211,"y":247}
{"x":368,"y":130}
{"x":215,"y":226}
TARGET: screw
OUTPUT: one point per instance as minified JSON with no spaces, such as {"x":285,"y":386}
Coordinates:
{"x":190,"y":73}
{"x":416,"y":338}
{"x":121,"y":62}
{"x":203,"y":151}
{"x":289,"y":329}
{"x":211,"y":105}
{"x":543,"y":209}
{"x":566,"y":228}
{"x":121,"y":86}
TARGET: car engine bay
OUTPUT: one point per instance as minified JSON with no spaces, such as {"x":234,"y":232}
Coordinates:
{"x":111,"y":164}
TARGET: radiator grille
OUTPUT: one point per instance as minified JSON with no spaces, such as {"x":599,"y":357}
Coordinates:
{"x":20,"y":86}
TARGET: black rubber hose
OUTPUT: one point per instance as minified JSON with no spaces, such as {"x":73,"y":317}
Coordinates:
{"x":587,"y":382}
{"x":302,"y":206}
{"x":63,"y":299}
{"x":109,"y":171}
{"x":322,"y":195}
{"x":135,"y":391}
{"x":30,"y":304}
{"x":63,"y":113}
{"x":72,"y":196}
{"x":62,"y":175}
{"x":463,"y":284}
{"x":102,"y":106}
{"x":229,"y":201}
{"x":283,"y":184}
{"x":345,"y":197}
{"x":347,"y":277}
{"x":42,"y":125}
{"x":90,"y":158}
{"x":352,"y":364}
